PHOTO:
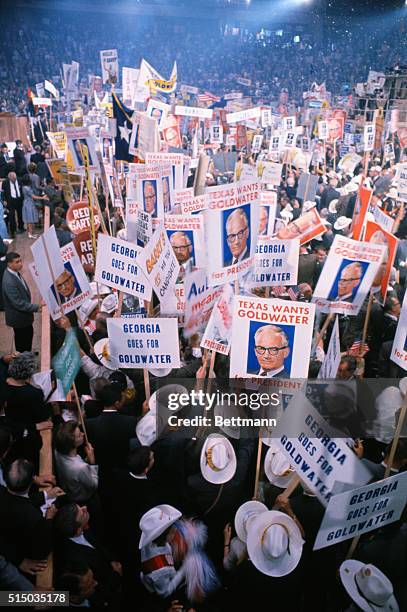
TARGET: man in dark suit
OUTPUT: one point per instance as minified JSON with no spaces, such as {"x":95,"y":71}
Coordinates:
{"x":13,"y":198}
{"x":17,"y":303}
{"x":24,"y":532}
{"x":111,"y":431}
{"x":19,"y":159}
{"x":4,"y":161}
{"x":38,"y":156}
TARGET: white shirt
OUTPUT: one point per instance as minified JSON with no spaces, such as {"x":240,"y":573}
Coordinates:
{"x":80,"y":539}
{"x":141,"y":477}
{"x":14,"y":190}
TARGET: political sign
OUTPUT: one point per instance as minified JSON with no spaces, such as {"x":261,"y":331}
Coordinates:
{"x":374,"y":234}
{"x":174,"y":304}
{"x":216,"y":134}
{"x":158,"y":111}
{"x":289,"y":124}
{"x":199,"y":302}
{"x":144,"y":227}
{"x":388,"y":151}
{"x":186,"y":236}
{"x":78,"y":218}
{"x":194,"y":111}
{"x":360,"y":211}
{"x":110,"y":66}
{"x":269,"y":172}
{"x":256,"y":143}
{"x":48,"y":86}
{"x":160,"y":264}
{"x":144,"y":137}
{"x":245,"y":172}
{"x":231,"y":229}
{"x":188,"y":202}
{"x":307,"y":187}
{"x":72,"y":285}
{"x":131,"y":219}
{"x":369,"y":137}
{"x":84,"y":247}
{"x":143,"y":343}
{"x":361,"y":510}
{"x":323,"y":461}
{"x":267,"y":212}
{"x":323,"y":132}
{"x":176,"y":160}
{"x":116,"y":267}
{"x":349,"y":162}
{"x":330,"y":365}
{"x":266,"y":117}
{"x":115,"y":191}
{"x":383,"y":219}
{"x":347,"y":275}
{"x":78,"y":137}
{"x":42,"y":101}
{"x":308,"y":226}
{"x":399,"y":348}
{"x":289,"y":140}
{"x":47,"y":259}
{"x":402,"y":182}
{"x":151,"y":186}
{"x":67,"y":361}
{"x":58,"y":142}
{"x":218,"y":332}
{"x":129,"y":85}
{"x":276,"y":262}
{"x":249,"y":113}
{"x":270,"y":338}
{"x":335,"y":128}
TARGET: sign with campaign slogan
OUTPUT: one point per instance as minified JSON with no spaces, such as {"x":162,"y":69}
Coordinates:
{"x":374,"y":234}
{"x":160,"y":264}
{"x":271,"y":338}
{"x":276,"y":262}
{"x":186,"y":236}
{"x":347,"y":275}
{"x":399,"y":348}
{"x":199,"y":302}
{"x":330,"y":365}
{"x":323,"y":461}
{"x":218,"y":332}
{"x":361,"y":510}
{"x":116,"y":267}
{"x":144,"y":343}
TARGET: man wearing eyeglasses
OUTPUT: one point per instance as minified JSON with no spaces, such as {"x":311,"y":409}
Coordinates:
{"x":271,"y":347}
{"x":66,"y":286}
{"x":237,"y":235}
{"x":150,"y":197}
{"x":348,"y":283}
{"x":182,"y":246}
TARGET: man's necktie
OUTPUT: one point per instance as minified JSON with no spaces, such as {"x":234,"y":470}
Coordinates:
{"x":234,"y":262}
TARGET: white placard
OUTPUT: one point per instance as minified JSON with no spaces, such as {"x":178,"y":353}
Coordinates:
{"x":275,"y":263}
{"x":330,"y":365}
{"x":269,"y":173}
{"x":264,"y":325}
{"x":369,"y":136}
{"x":402,"y":182}
{"x":199,"y":302}
{"x":110,"y":65}
{"x":152,"y":187}
{"x":194,"y":111}
{"x":176,"y":160}
{"x":186,"y":236}
{"x":144,"y":343}
{"x":218,"y":332}
{"x":47,"y":259}
{"x":249,"y":113}
{"x":399,"y":348}
{"x":361,"y":510}
{"x":116,"y":267}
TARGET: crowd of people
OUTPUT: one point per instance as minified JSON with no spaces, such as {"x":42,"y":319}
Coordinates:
{"x":137,"y":513}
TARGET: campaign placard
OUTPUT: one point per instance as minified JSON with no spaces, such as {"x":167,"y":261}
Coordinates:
{"x":399,"y":348}
{"x":78,"y":218}
{"x":361,"y":510}
{"x":218,"y":332}
{"x":113,"y":186}
{"x":267,"y":212}
{"x":174,"y":304}
{"x":144,"y":343}
{"x":47,"y":259}
{"x":132,"y":219}
{"x":383,"y":219}
{"x":151,"y":186}
{"x":330,"y":365}
{"x":369,"y":132}
{"x":349,"y":162}
{"x":144,"y":227}
{"x":194,"y":111}
{"x":276,"y":262}
{"x":176,"y":160}
{"x":58,"y":142}
{"x":231,"y":229}
{"x":347,"y":275}
{"x":270,"y":338}
{"x":110,"y":66}
{"x":249,"y":113}
{"x":188,"y":202}
{"x":360,"y":211}
{"x":402,"y":182}
{"x":158,"y":111}
{"x":77,"y":138}
{"x":116,"y":267}
{"x":129,"y":84}
{"x":160,"y":264}
{"x":72,"y":285}
{"x":323,"y":131}
{"x":374,"y":234}
{"x":307,"y":227}
{"x":186,"y":236}
{"x":67,"y":361}
{"x":199,"y":302}
{"x":324,"y":462}
{"x":269,"y":172}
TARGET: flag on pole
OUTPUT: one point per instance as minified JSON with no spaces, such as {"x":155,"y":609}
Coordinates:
{"x":124,"y":126}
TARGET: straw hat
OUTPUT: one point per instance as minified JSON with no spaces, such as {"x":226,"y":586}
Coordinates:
{"x":149,"y":428}
{"x":157,"y":520}
{"x":245,"y":515}
{"x":274,"y":543}
{"x":308,"y":206}
{"x":342,"y":222}
{"x":332,"y":206}
{"x":109,"y":303}
{"x":368,"y":587}
{"x":218,"y":459}
{"x":286,"y":215}
{"x":277,"y":467}
{"x":102,"y":352}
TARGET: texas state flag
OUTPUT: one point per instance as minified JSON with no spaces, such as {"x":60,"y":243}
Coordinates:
{"x":124,"y":126}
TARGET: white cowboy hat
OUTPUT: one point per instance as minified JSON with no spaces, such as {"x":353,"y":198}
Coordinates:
{"x":155,"y":521}
{"x":159,"y":372}
{"x":160,"y":397}
{"x":286,"y":215}
{"x":226,"y":412}
{"x":392,"y":193}
{"x":218,"y":459}
{"x":149,"y":428}
{"x":109,"y":303}
{"x":277,"y":467}
{"x":99,"y":289}
{"x":102,"y":352}
{"x":245,"y":515}
{"x":342,"y":222}
{"x":87,"y":308}
{"x":368,"y":587}
{"x":274,"y":543}
{"x":332,"y":206}
{"x":403,"y":385}
{"x":308,"y":206}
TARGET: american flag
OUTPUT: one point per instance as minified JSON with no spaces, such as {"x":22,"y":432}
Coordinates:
{"x":207,"y":97}
{"x":357,"y":349}
{"x":279,"y":291}
{"x":293,"y":293}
